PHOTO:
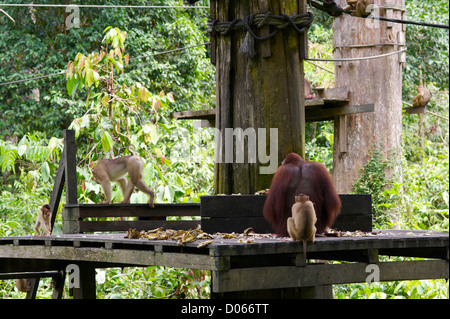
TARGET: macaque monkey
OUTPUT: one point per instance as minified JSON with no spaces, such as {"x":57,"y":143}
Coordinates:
{"x":43,"y":221}
{"x":309,"y":94}
{"x":23,"y":285}
{"x":115,"y":170}
{"x":301,"y":225}
{"x":360,"y":8}
{"x":423,"y":97}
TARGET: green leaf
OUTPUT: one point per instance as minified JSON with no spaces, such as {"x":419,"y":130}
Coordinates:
{"x":22,"y":149}
{"x":71,"y":86}
{"x":45,"y":171}
{"x":143,"y":94}
{"x":107,"y":28}
{"x":105,"y":100}
{"x":154,"y":134}
{"x":89,"y":79}
{"x":148,"y":173}
{"x":169,"y":193}
{"x":96,"y":78}
{"x":107,"y":141}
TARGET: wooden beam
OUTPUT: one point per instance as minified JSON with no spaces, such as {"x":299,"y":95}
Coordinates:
{"x":123,"y":226}
{"x":23,"y":275}
{"x":416,"y":110}
{"x":316,"y":110}
{"x":136,"y":210}
{"x":338,"y":93}
{"x":209,"y":114}
{"x":328,"y":113}
{"x":248,"y":279}
{"x":58,"y":187}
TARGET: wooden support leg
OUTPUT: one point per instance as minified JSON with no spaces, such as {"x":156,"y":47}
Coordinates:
{"x":317,"y":292}
{"x":58,"y":285}
{"x":34,"y":283}
{"x":87,"y":289}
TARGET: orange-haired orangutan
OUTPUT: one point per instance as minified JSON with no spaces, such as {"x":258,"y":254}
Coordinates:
{"x":297,"y":176}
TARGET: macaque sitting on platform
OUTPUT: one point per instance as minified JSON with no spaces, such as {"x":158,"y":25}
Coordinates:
{"x":44,"y":221}
{"x":360,"y":8}
{"x":115,"y":170}
{"x":309,"y":94}
{"x":423,"y":97}
{"x":301,"y":226}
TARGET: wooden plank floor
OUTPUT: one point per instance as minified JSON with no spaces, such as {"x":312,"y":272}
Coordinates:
{"x":429,"y":244}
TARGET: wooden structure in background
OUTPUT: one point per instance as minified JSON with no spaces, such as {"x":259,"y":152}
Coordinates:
{"x":329,"y":105}
{"x":377,"y":81}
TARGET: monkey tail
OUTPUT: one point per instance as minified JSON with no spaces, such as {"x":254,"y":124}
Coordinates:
{"x":130,"y":149}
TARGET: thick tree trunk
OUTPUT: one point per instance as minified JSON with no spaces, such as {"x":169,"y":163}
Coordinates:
{"x":377,"y":81}
{"x":260,"y":93}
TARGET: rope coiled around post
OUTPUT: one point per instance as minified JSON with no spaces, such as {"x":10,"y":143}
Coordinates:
{"x":299,"y":22}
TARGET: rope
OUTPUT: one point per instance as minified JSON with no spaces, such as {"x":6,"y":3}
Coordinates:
{"x":6,"y":14}
{"x":131,"y":59}
{"x":299,"y":22}
{"x":169,"y":51}
{"x":441,"y":26}
{"x":99,"y":6}
{"x":358,"y":59}
{"x":34,"y":78}
{"x":330,"y":7}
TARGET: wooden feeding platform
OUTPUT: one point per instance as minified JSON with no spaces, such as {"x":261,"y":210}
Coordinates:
{"x":256,"y":265}
{"x":237,"y":264}
{"x":237,"y":268}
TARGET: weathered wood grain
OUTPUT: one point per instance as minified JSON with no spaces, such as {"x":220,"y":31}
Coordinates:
{"x":377,"y":81}
{"x":264,"y":92}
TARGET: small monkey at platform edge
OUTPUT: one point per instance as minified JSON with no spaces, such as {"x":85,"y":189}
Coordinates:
{"x":301,"y":225}
{"x":43,"y":221}
{"x":423,"y":97}
{"x":115,"y":170}
{"x":309,"y":94}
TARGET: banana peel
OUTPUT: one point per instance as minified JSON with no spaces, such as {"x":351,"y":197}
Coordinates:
{"x":188,"y":236}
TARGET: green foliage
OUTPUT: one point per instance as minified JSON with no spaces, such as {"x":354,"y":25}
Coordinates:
{"x":22,"y":194}
{"x":414,"y":289}
{"x":178,"y":160}
{"x":40,"y":42}
{"x":428,"y":48}
{"x":372,"y":180}
{"x":153,"y":282}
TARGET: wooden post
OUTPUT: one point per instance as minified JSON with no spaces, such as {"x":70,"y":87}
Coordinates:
{"x":70,"y":164}
{"x":87,"y":289}
{"x":377,"y":81}
{"x":260,"y":93}
{"x":67,"y":172}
